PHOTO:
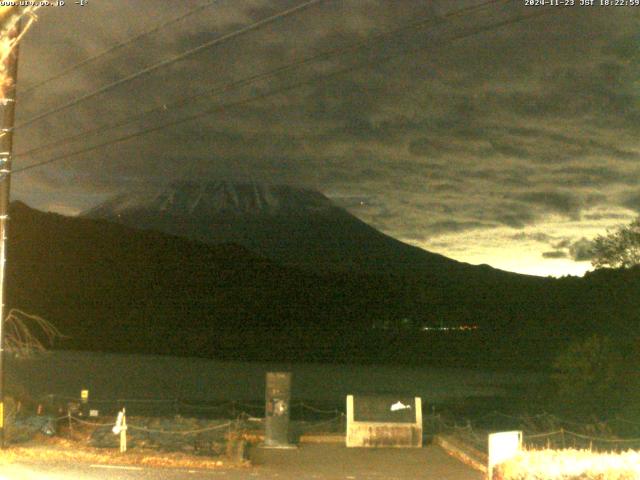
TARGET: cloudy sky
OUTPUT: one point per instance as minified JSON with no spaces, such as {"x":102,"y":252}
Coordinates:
{"x":488,"y":131}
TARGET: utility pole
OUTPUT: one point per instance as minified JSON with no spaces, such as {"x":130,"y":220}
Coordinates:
{"x":8,"y":105}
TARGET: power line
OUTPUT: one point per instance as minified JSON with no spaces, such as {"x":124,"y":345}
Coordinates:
{"x":169,"y":61}
{"x":116,"y":47}
{"x":246,"y":81}
{"x":217,"y":108}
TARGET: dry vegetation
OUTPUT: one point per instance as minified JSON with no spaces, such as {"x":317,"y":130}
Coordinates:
{"x":571,"y":464}
{"x":72,"y":446}
{"x":74,"y":451}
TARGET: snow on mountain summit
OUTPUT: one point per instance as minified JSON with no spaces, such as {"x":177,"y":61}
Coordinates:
{"x":207,"y":198}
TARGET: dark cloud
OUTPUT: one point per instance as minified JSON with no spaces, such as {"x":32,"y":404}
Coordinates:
{"x":632,"y":201}
{"x":507,"y":179}
{"x":444,"y":188}
{"x":510,"y":150}
{"x":563,"y":243}
{"x":454,"y":227}
{"x":516,"y":221}
{"x":518,"y":217}
{"x":554,"y":254}
{"x":538,"y":236}
{"x":581,"y":250}
{"x":565,"y":203}
{"x":605,"y":216}
{"x":577,"y":250}
{"x":430,"y":147}
{"x":594,"y":176}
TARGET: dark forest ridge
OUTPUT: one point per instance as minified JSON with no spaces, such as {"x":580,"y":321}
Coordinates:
{"x":113,"y":288}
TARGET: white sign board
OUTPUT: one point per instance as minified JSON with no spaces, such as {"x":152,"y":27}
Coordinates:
{"x":502,"y":447}
{"x":384,"y":421}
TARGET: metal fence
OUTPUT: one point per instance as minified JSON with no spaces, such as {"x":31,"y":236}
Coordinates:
{"x":539,"y":431}
{"x":542,"y":431}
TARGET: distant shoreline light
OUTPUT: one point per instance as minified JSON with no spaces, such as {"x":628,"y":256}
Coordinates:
{"x":449,"y":328}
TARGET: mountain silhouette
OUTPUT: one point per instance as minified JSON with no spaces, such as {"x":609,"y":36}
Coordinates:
{"x":289,"y":225}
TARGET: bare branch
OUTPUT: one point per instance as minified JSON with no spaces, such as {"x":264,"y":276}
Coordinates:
{"x":26,"y":334}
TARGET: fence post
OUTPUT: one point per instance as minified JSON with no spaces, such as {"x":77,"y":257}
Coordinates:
{"x":84,"y":402}
{"x":123,"y":433}
{"x":121,"y":428}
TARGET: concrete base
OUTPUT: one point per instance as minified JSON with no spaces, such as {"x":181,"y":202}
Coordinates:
{"x":319,"y":438}
{"x":288,"y":446}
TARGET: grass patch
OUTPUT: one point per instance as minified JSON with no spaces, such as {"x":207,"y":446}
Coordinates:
{"x":56,"y":449}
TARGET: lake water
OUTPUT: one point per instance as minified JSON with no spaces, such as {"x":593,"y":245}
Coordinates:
{"x":116,"y":376}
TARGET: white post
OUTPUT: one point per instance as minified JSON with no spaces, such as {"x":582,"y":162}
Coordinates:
{"x":350,"y":417}
{"x":121,"y":428}
{"x":123,"y":433}
{"x":418,"y":402}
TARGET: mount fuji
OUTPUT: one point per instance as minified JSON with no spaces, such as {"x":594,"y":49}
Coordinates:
{"x":293,"y":226}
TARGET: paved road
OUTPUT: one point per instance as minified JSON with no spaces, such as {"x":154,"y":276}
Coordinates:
{"x":334,"y":461}
{"x":313,"y":462}
{"x":58,"y":471}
